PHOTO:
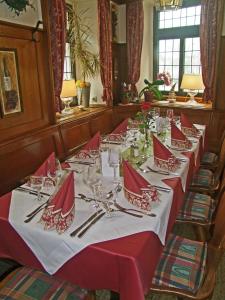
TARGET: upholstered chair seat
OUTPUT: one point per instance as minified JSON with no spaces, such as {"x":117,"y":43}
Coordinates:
{"x":182,"y":264}
{"x":26,"y":283}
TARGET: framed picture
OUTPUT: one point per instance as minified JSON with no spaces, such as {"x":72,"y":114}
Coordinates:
{"x":10,"y":96}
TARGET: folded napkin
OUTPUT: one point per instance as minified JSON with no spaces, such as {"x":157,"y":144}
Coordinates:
{"x":94,"y":142}
{"x":163,"y":158}
{"x":178,"y":139}
{"x":187,"y":127}
{"x":60,"y":211}
{"x":121,"y":128}
{"x":48,"y":163}
{"x":138,"y":191}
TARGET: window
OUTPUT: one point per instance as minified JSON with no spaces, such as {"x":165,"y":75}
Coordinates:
{"x":69,"y":70}
{"x":177,"y":42}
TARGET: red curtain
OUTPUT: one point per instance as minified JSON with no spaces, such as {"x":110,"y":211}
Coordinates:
{"x":104,"y":24}
{"x":57,"y":14}
{"x":135,"y":27}
{"x":210,"y":35}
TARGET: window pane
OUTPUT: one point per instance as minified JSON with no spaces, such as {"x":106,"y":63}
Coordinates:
{"x":181,"y":17}
{"x":170,"y":56}
{"x":162,"y":46}
{"x":196,"y":43}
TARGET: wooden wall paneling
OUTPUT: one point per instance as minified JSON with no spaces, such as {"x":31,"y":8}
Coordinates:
{"x":121,"y":112}
{"x":74,"y":135}
{"x":220,"y":87}
{"x":34,"y":81}
{"x":22,"y":156}
{"x":102,"y":122}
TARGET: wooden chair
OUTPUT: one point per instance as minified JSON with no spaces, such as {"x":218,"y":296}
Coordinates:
{"x":210,"y":160}
{"x":199,"y":211}
{"x":187,"y":268}
{"x":207,"y":181}
{"x":27,"y":283}
{"x":7,"y":266}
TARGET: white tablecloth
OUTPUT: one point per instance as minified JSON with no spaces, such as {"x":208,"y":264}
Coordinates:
{"x":53,"y":250}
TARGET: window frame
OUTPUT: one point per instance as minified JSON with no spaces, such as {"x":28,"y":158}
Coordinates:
{"x":173,"y":33}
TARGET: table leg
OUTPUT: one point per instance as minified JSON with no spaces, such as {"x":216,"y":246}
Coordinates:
{"x":114,"y":296}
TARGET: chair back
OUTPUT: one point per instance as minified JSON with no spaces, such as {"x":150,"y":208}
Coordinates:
{"x":218,"y":238}
{"x":222,"y":150}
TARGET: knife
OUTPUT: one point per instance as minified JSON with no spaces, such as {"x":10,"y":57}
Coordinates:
{"x":98,"y":217}
{"x":31,"y":192}
{"x":80,"y":162}
{"x":73,"y":233}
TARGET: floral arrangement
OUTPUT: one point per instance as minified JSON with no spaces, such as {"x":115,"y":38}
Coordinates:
{"x":166,"y":77}
{"x":82,"y":84}
{"x":144,"y":116}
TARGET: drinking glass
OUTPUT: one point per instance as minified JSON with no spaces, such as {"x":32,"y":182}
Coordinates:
{"x":48,"y":186}
{"x":169,"y":114}
{"x":36,"y":182}
{"x":94,"y":154}
{"x":114,"y":159}
{"x":54,"y":172}
{"x":93,"y":179}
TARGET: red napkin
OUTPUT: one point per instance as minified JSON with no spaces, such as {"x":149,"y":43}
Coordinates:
{"x":138,"y":191}
{"x":121,"y":128}
{"x":49,"y":162}
{"x":94,"y":143}
{"x":187,"y":127}
{"x":178,"y":139}
{"x":163,"y":158}
{"x":59,"y":213}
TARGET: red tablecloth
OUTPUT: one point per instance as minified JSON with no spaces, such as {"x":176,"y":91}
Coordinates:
{"x":125,"y":265}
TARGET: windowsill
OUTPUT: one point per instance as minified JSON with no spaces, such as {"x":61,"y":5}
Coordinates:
{"x":78,"y":113}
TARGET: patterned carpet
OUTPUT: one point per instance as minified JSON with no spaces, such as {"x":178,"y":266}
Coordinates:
{"x":219,"y":291}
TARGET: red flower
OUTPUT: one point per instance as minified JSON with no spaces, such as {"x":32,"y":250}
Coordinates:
{"x":145,"y":106}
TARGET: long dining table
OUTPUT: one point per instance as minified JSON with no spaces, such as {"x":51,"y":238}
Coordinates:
{"x":125,"y":265}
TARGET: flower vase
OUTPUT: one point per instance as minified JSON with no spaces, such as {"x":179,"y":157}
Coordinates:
{"x":147,"y":147}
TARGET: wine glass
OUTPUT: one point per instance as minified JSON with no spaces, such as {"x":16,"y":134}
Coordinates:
{"x":169,"y":114}
{"x":93,"y":179}
{"x":114,"y":159}
{"x":94,"y":153}
{"x":36,"y":182}
{"x":54,"y":171}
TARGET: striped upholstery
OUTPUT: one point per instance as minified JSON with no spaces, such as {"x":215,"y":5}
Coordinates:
{"x":29,"y":284}
{"x":182,"y":264}
{"x":209,"y":158}
{"x":197,"y":207}
{"x":7,"y":266}
{"x":203,"y":178}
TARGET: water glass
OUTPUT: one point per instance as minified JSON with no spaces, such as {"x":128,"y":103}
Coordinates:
{"x":36,"y":182}
{"x":114,"y":159}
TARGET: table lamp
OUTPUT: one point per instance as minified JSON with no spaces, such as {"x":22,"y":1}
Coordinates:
{"x":67,"y":94}
{"x":192,"y":83}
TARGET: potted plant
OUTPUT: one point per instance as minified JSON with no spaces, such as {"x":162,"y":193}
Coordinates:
{"x":151,"y":91}
{"x":79,"y":37}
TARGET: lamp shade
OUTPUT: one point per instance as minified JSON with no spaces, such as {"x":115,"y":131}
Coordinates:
{"x":168,"y":4}
{"x":68,"y":89}
{"x":192,"y":82}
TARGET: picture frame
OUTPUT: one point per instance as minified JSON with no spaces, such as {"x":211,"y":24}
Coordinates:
{"x":10,"y":95}
{"x":25,"y":14}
